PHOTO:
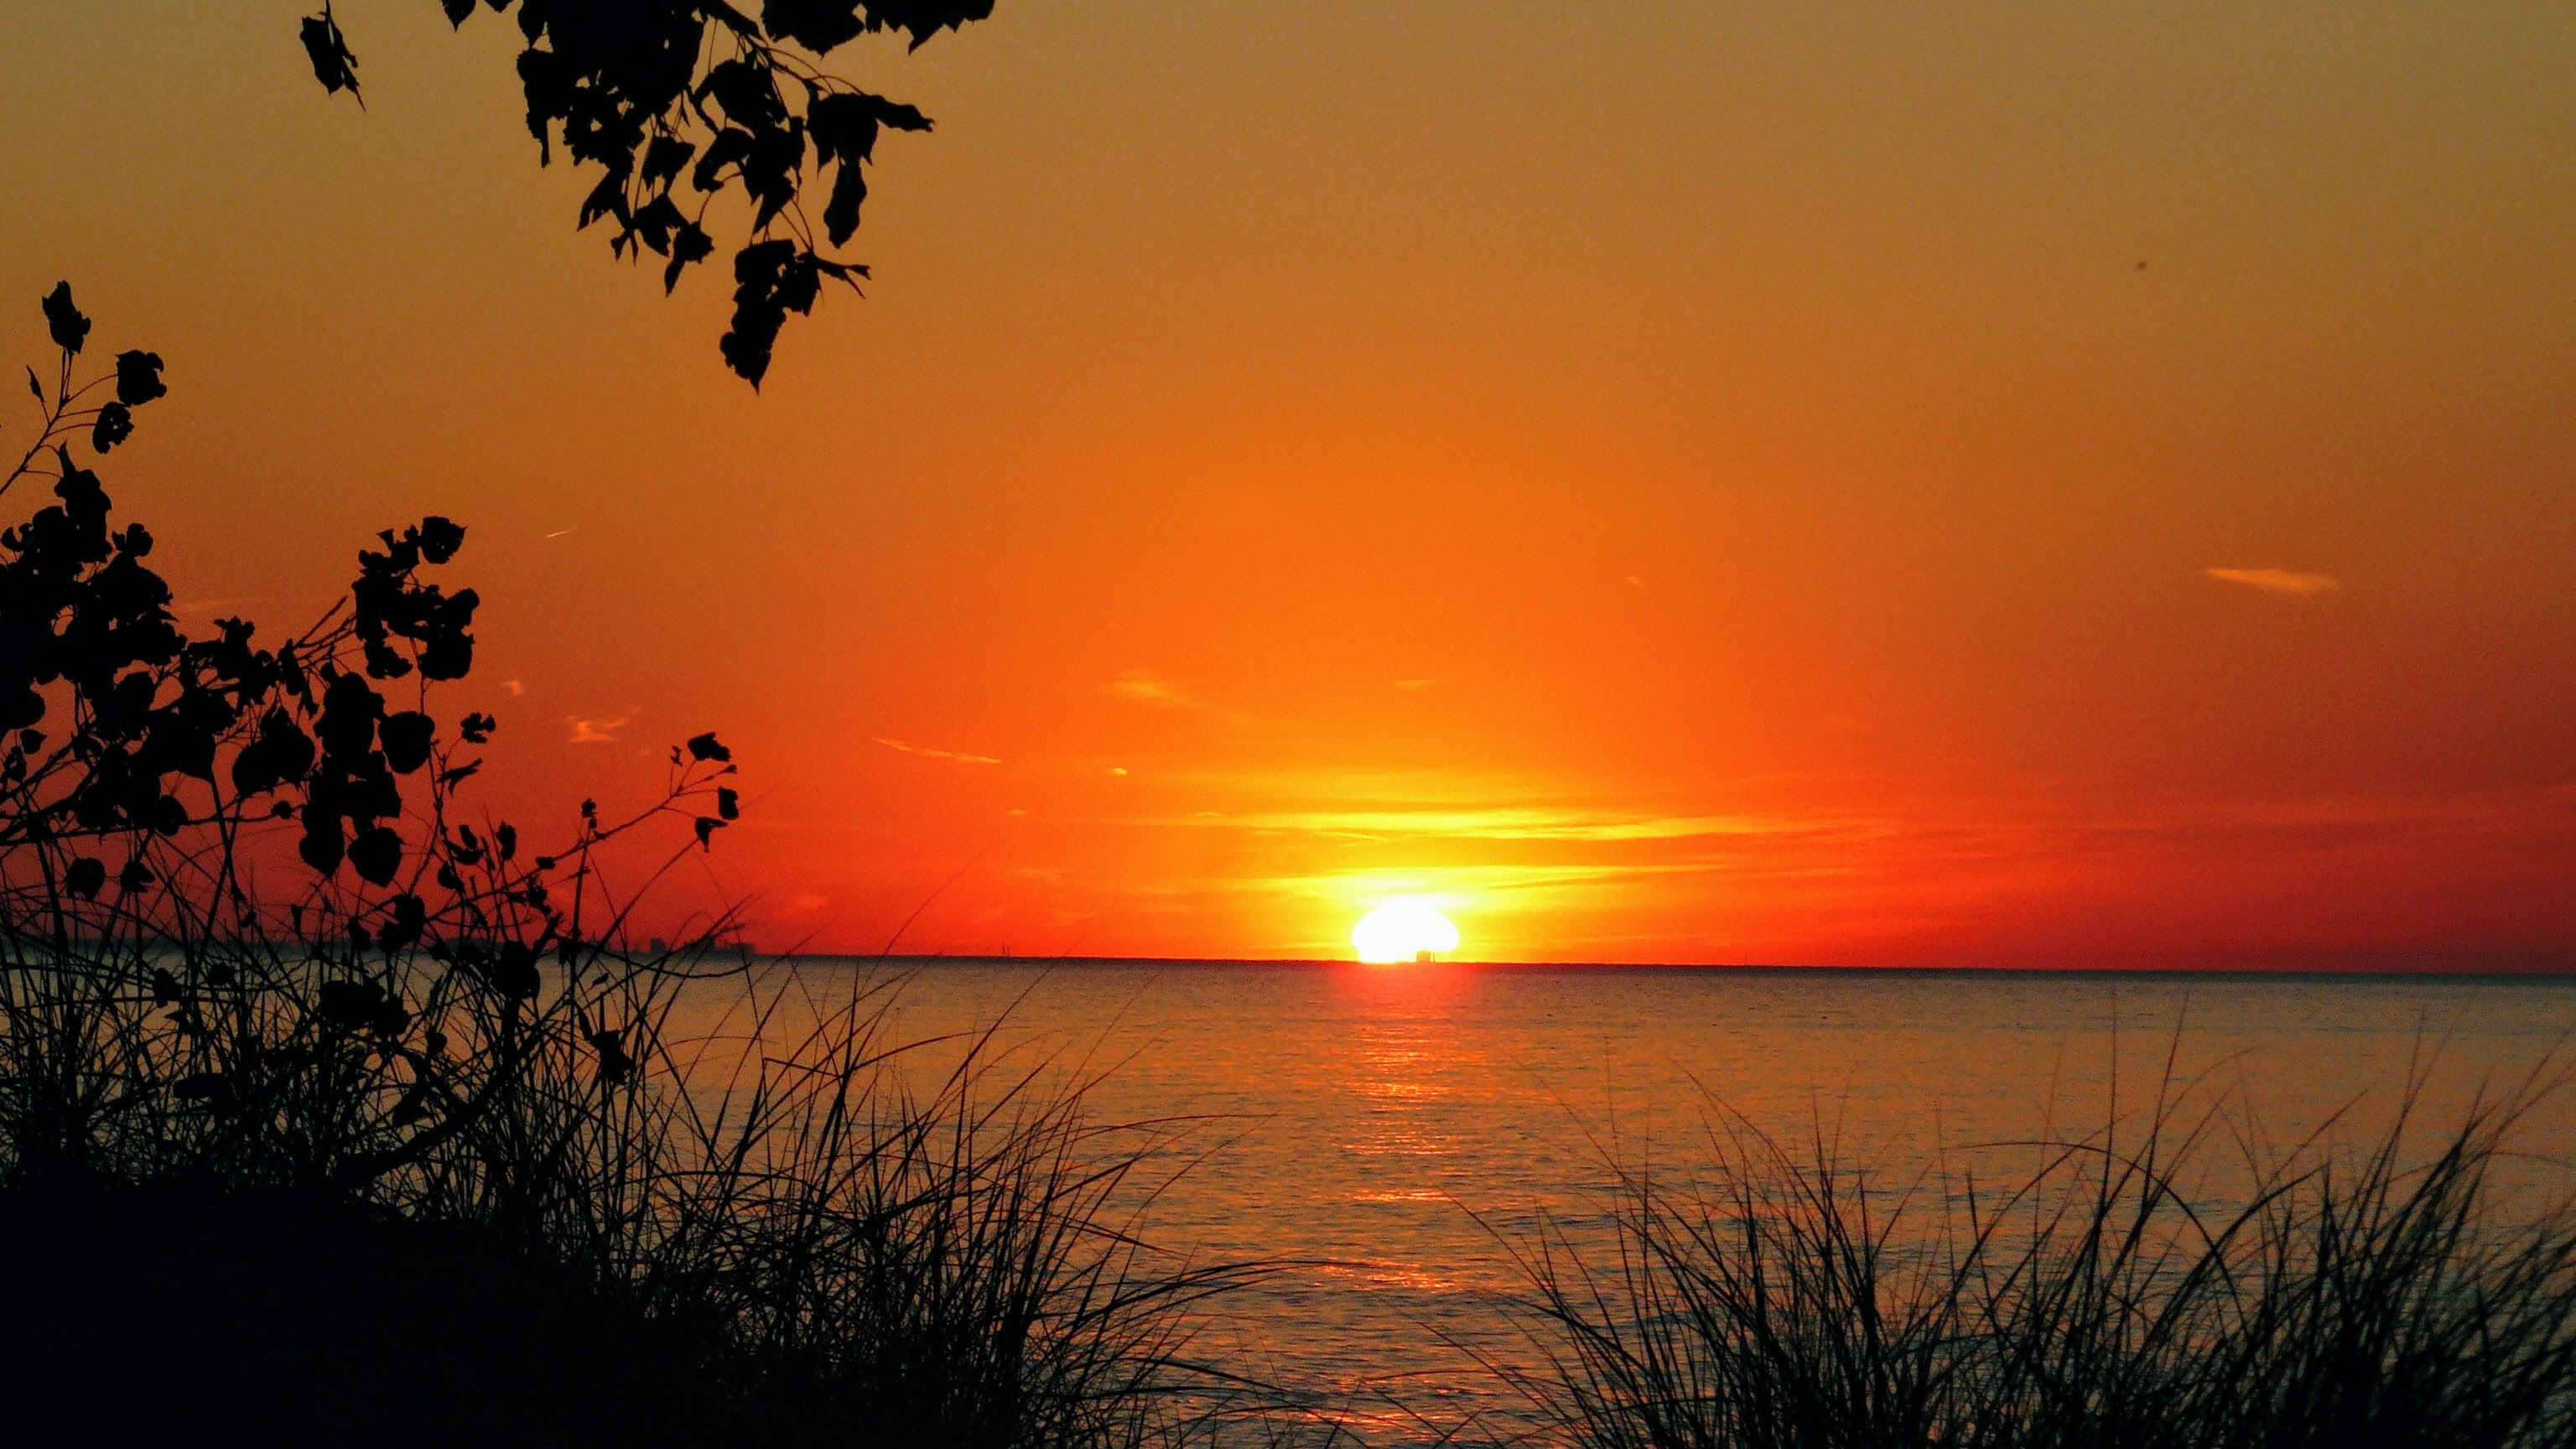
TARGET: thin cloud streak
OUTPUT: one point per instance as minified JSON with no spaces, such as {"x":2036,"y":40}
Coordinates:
{"x":597,"y":731}
{"x":2278,"y":581}
{"x":926,"y":752}
{"x":1144,"y":686}
{"x":1515,"y":823}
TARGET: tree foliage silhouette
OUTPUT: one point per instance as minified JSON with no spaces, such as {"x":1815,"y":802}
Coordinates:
{"x":144,"y":770}
{"x":679,"y":102}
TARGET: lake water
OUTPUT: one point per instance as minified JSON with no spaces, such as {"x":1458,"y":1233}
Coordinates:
{"x":1393,"y":1129}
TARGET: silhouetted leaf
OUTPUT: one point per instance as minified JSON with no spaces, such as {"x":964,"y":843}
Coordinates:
{"x":114,"y":425}
{"x":63,"y":321}
{"x":689,"y":245}
{"x":376,"y":854}
{"x":841,"y":213}
{"x":746,"y":92}
{"x":923,"y":19}
{"x":729,"y":148}
{"x":845,"y":123}
{"x":821,"y":24}
{"x":457,"y":10}
{"x":447,"y":651}
{"x":707,"y":826}
{"x":771,"y":172}
{"x":704,"y":747}
{"x":663,"y":160}
{"x":761,"y":284}
{"x":825,"y":24}
{"x":406,"y":918}
{"x":350,"y":709}
{"x":477,"y":728}
{"x":547,"y":83}
{"x":440,"y":538}
{"x":138,"y":378}
{"x":281,"y":752}
{"x":85,"y":878}
{"x":328,"y":49}
{"x":728,"y":803}
{"x":608,"y":198}
{"x":656,"y":221}
{"x":406,"y":739}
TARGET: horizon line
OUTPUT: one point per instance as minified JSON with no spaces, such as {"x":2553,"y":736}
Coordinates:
{"x":2538,"y":965}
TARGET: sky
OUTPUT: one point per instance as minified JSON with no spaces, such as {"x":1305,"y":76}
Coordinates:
{"x":1843,"y":483}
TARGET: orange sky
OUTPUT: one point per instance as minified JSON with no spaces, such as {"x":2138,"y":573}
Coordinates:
{"x":1676,"y":481}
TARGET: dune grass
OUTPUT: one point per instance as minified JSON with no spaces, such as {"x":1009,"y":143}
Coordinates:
{"x":790,"y":1242}
{"x":2179,"y":1286}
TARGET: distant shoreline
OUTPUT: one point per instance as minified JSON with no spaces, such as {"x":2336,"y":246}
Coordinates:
{"x":2550,"y":970}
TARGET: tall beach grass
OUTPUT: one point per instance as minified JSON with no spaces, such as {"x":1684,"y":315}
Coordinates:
{"x":801,"y":1241}
{"x":2178,"y":1283}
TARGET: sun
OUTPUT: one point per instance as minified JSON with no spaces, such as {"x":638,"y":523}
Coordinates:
{"x":1403,"y":930}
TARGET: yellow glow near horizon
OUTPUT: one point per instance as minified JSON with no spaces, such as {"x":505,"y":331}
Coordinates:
{"x":1403,"y":930}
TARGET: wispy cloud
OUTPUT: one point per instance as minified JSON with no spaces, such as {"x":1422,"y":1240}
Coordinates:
{"x":597,"y":731}
{"x":926,"y":752}
{"x":1506,"y":823}
{"x":1144,"y":686}
{"x":2278,"y":581}
{"x":1411,"y":685}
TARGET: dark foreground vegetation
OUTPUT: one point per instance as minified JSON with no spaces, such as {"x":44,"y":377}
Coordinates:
{"x":336,"y":1111}
{"x":2185,"y":1289}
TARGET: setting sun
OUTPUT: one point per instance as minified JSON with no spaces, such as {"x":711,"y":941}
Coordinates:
{"x":1405,"y":930}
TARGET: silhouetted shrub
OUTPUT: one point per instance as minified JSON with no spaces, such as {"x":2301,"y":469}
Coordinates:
{"x":339,"y":1118}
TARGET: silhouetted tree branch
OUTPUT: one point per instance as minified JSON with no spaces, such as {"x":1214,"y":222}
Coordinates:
{"x":679,"y":102}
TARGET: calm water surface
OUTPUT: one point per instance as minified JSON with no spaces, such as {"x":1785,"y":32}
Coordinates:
{"x":1391,"y":1128}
